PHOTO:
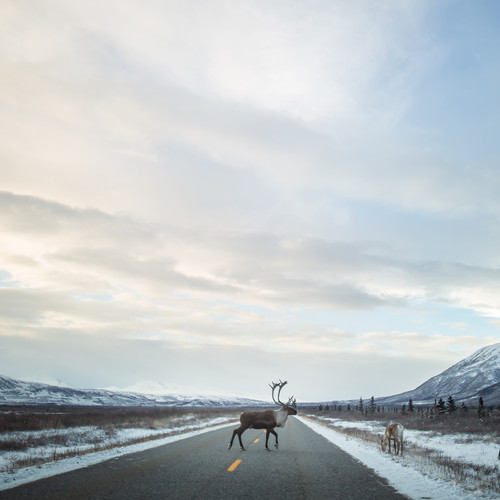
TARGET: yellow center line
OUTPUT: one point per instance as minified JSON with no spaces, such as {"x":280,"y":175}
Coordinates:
{"x":234,"y":465}
{"x":257,"y":440}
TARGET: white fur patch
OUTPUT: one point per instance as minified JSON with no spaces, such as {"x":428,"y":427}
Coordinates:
{"x":281,"y":416}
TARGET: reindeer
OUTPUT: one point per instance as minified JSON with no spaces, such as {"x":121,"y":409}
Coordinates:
{"x":393,"y":432}
{"x":266,"y":419}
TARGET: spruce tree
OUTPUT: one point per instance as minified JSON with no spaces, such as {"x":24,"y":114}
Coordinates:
{"x":411,"y":408}
{"x":361,"y":405}
{"x":480,"y":410}
{"x":451,"y":407}
{"x":441,"y":408}
{"x":373,"y":406}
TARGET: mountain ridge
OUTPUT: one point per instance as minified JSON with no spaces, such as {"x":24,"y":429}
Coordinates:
{"x":473,"y":377}
{"x":18,"y":392}
{"x":476,"y":376}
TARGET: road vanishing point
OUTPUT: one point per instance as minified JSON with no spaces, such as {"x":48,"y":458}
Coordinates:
{"x":306,"y":466}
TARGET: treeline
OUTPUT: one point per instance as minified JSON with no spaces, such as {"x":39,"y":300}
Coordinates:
{"x":442,"y":416}
{"x":440,"y":407}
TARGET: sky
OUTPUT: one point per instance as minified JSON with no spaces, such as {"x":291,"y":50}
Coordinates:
{"x":211,"y":196}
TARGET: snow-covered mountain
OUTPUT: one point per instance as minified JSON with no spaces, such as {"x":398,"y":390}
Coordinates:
{"x":18,"y":392}
{"x":475,"y":376}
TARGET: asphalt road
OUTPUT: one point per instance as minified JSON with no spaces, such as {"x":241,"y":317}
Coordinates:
{"x":306,"y":466}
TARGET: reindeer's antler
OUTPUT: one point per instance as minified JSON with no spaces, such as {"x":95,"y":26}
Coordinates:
{"x":273,"y":386}
{"x":279,"y":384}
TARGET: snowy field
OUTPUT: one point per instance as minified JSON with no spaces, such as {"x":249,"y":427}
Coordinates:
{"x":434,"y":466}
{"x":11,"y":477}
{"x":416,"y":474}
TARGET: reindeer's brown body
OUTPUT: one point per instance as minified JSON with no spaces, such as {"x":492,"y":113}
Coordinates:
{"x":393,"y":432}
{"x":265,"y":419}
{"x":258,"y":419}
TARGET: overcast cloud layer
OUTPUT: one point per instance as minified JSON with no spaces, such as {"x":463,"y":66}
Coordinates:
{"x":213,"y":195}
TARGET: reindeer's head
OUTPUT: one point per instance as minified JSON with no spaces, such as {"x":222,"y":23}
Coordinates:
{"x":382,"y":444}
{"x":290,"y":405}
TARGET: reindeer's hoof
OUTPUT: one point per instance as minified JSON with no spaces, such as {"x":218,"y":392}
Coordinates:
{"x":267,"y":449}
{"x":243,"y":448}
{"x":229,"y":446}
{"x":276,"y":445}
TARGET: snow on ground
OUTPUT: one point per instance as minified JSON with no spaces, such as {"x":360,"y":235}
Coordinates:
{"x":29,"y":474}
{"x":401,"y":472}
{"x":475,"y":449}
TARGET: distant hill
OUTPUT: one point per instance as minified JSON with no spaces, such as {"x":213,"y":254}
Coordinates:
{"x":468,"y":380}
{"x":475,"y":376}
{"x":18,"y":392}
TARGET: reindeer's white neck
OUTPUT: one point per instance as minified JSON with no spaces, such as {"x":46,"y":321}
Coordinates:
{"x":281,"y":416}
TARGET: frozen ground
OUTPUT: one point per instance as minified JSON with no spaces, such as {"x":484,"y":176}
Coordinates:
{"x":411,"y":475}
{"x":10,"y":478}
{"x":418,"y":475}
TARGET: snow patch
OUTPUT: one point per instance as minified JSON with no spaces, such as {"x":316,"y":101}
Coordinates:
{"x":34,"y":473}
{"x":400,"y":472}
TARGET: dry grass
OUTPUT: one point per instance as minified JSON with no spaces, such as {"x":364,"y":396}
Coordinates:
{"x":424,"y":419}
{"x":54,"y":417}
{"x":428,"y":461}
{"x":34,"y":436}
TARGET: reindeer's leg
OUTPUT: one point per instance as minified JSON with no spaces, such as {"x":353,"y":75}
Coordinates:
{"x":267,"y":439}
{"x":232,"y":439}
{"x":239,"y":437}
{"x":276,"y":436}
{"x":239,"y":431}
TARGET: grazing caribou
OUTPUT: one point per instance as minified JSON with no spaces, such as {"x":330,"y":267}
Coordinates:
{"x":266,"y":419}
{"x":393,"y":432}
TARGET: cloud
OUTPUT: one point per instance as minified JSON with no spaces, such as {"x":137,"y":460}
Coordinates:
{"x":273,"y":56}
{"x":416,"y":345}
{"x":206,"y":127}
{"x":261,"y":176}
{"x":114,"y":251}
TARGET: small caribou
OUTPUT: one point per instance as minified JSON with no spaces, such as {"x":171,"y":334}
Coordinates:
{"x":266,"y":419}
{"x":393,"y":432}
